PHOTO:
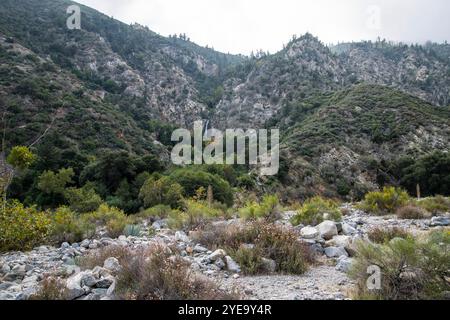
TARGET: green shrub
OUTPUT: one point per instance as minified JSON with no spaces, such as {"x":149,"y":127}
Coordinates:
{"x":83,"y":200}
{"x":68,"y":227}
{"x":250,"y":260}
{"x":410,"y":269}
{"x":384,"y":235}
{"x":268,"y":209}
{"x":161,"y":191}
{"x":160,"y":211}
{"x":22,"y":228}
{"x":269,"y":241}
{"x":193,"y":179}
{"x":386,"y":201}
{"x":21,"y":157}
{"x":315,"y":210}
{"x":114,"y":219}
{"x":196,"y":214}
{"x":436,"y":205}
{"x":132,"y":230}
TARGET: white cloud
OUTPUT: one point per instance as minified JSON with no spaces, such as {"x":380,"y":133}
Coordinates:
{"x":240,"y":26}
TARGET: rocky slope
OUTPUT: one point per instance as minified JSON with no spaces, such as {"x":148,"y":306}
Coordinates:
{"x":21,"y":273}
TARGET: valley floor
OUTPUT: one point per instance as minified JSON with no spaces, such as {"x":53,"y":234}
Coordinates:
{"x":21,"y":273}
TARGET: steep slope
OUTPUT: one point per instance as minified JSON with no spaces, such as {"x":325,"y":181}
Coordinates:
{"x":345,"y":146}
{"x":422,"y":71}
{"x":127,"y":64}
{"x":37,"y":96}
{"x":306,"y":68}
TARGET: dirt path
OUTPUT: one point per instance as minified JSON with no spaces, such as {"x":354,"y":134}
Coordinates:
{"x":319,"y":283}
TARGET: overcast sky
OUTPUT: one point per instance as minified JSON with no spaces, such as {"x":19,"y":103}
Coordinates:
{"x":240,"y":26}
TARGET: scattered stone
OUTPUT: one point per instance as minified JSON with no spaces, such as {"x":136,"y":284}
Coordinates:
{"x":220,"y":264}
{"x":335,"y":252}
{"x":74,"y":287}
{"x":200,"y":249}
{"x":309,"y":233}
{"x":269,"y":265}
{"x":218,"y":254}
{"x":181,"y":236}
{"x":104,"y":283}
{"x":112,"y":264}
{"x":440,"y":222}
{"x":344,"y":264}
{"x":348,"y":230}
{"x":327,"y":230}
{"x":232,"y":266}
{"x":339,"y":241}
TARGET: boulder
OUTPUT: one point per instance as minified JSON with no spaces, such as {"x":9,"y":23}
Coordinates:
{"x":112,"y":264}
{"x":269,"y":265}
{"x":219,"y":264}
{"x":348,"y":230}
{"x":218,"y":254}
{"x":200,"y":249}
{"x":344,"y":264}
{"x":105,"y":283}
{"x":335,"y":252}
{"x":232,"y":266}
{"x":181,"y":236}
{"x":440,"y":222}
{"x":339,"y":241}
{"x":74,"y":287}
{"x":327,"y":230}
{"x":309,"y":233}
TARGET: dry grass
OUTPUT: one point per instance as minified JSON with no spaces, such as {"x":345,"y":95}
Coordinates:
{"x":158,"y":275}
{"x":412,"y":212}
{"x":270,"y":241}
{"x":51,"y":289}
{"x":384,"y":235}
{"x":98,"y":257}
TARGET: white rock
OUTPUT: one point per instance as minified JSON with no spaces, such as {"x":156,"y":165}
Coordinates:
{"x":85,"y":243}
{"x":327,"y":230}
{"x":181,"y":236}
{"x":269,"y":265}
{"x":220,"y":264}
{"x":348,"y":230}
{"x":232,"y":266}
{"x":309,"y":233}
{"x":335,"y":252}
{"x":5,"y":268}
{"x":340,"y":241}
{"x":344,"y":264}
{"x":74,"y":287}
{"x":112,"y":264}
{"x":218,"y":254}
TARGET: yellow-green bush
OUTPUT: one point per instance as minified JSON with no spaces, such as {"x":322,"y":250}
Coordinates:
{"x":436,"y":205}
{"x":386,"y":201}
{"x":68,"y":227}
{"x":160,"y":211}
{"x":196,"y":213}
{"x":268,"y":209}
{"x":22,"y":228}
{"x":410,"y":269}
{"x":315,"y":210}
{"x":114,"y":219}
